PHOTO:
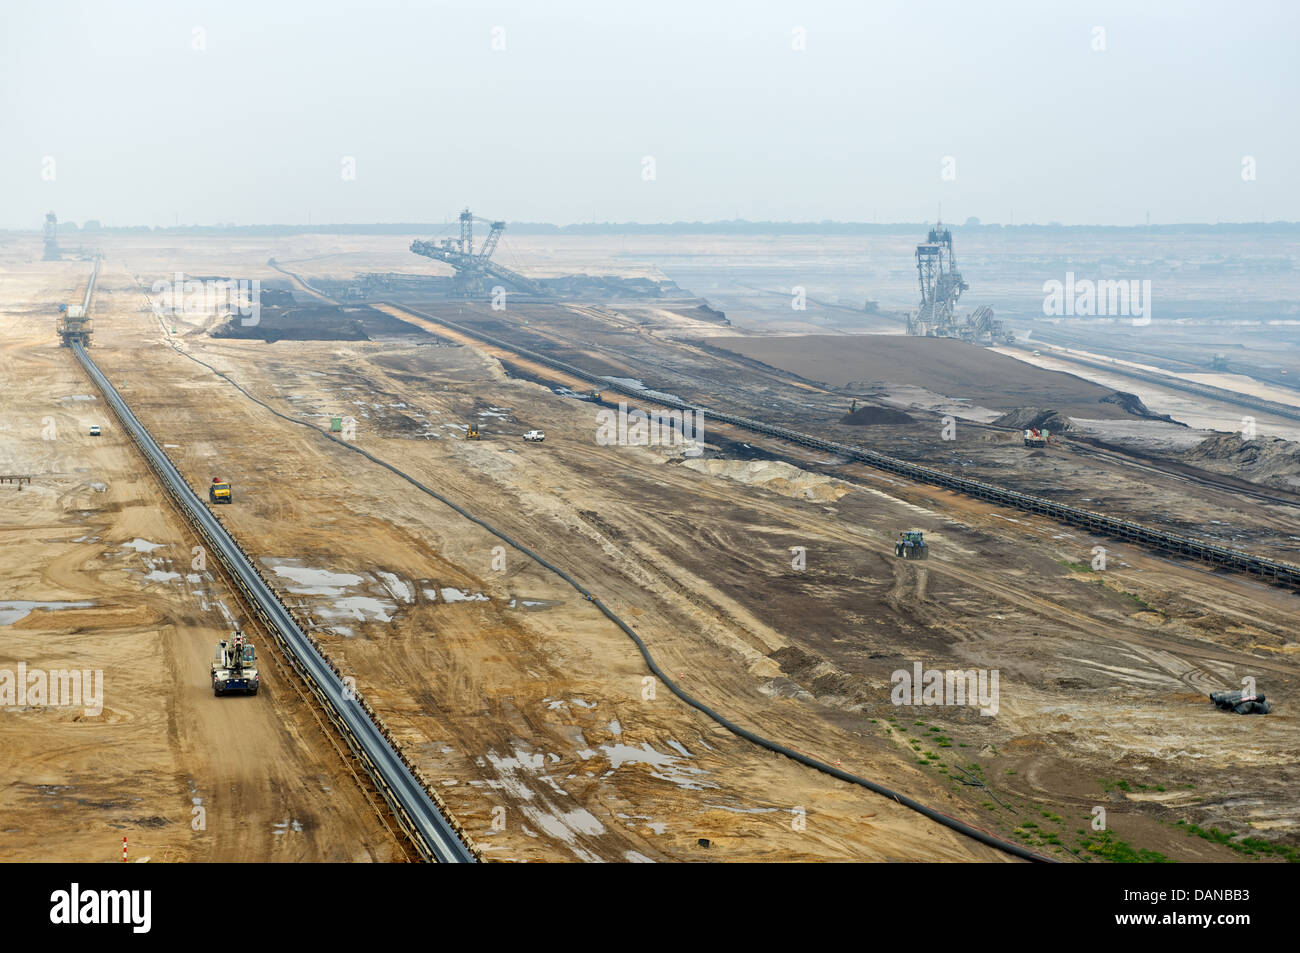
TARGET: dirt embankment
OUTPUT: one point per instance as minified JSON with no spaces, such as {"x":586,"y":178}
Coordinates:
{"x":281,"y":317}
{"x":953,"y":368}
{"x":1271,"y":461}
{"x":1036,"y":417}
{"x":870,"y":415}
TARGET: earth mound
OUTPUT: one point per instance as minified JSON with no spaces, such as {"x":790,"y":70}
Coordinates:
{"x":870,"y":415}
{"x":1037,"y":418}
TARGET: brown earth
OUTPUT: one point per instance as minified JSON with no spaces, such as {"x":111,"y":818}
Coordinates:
{"x":869,"y":415}
{"x":529,"y":702}
{"x":942,"y":365}
{"x":180,"y":774}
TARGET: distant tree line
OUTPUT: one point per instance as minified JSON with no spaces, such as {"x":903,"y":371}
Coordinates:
{"x":733,"y":227}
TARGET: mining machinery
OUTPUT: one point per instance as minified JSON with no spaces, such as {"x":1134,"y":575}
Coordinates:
{"x":234,"y":668}
{"x":75,"y":326}
{"x":52,"y":250}
{"x":983,"y":328}
{"x":474,"y":268}
{"x":941,"y":286}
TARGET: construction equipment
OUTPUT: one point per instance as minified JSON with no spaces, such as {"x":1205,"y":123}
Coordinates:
{"x":94,"y":430}
{"x":983,"y":328}
{"x":473,"y":269}
{"x":219,"y":491}
{"x":234,"y":669}
{"x":911,"y":545}
{"x":941,"y":286}
{"x":1036,"y":438}
{"x":473,"y":432}
{"x":52,"y":250}
{"x":535,"y":436}
{"x":74,"y":326}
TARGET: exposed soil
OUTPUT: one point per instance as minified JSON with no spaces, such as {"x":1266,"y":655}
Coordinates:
{"x":311,"y":321}
{"x":183,"y":776}
{"x":940,"y":365}
{"x":767,"y":585}
{"x":869,"y":415}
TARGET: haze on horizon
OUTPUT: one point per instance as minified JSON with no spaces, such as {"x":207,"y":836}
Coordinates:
{"x":153,"y":113}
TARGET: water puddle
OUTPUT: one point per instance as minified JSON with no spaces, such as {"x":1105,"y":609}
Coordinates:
{"x":11,"y":612}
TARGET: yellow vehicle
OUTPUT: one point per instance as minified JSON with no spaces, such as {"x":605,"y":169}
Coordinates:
{"x":473,"y":432}
{"x":219,"y":491}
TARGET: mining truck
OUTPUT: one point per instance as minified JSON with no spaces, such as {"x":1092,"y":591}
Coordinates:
{"x":235,"y":667}
{"x":1035,"y":437}
{"x":219,"y":491}
{"x":911,"y":545}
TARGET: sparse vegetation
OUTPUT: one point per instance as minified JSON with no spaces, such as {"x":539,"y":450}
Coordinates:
{"x":1249,"y":846}
{"x":1137,"y":600}
{"x":1107,"y":847}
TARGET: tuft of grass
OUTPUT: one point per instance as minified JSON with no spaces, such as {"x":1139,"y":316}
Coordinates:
{"x":1106,"y":847}
{"x":1139,"y":601}
{"x":1249,"y":846}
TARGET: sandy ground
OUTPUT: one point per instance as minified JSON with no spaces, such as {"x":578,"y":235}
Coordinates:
{"x":1201,"y":413}
{"x":526,"y":700}
{"x":181,"y":775}
{"x":533,"y":713}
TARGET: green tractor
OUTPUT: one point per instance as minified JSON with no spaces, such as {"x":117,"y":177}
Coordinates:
{"x":911,"y":545}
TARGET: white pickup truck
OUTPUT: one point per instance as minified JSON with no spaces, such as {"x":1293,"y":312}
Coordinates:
{"x":537,"y":436}
{"x":94,"y":430}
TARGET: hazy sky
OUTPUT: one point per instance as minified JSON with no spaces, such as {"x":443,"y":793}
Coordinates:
{"x":245,"y":112}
